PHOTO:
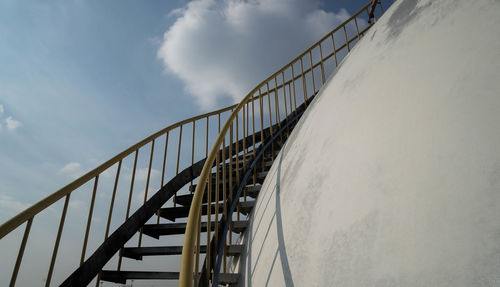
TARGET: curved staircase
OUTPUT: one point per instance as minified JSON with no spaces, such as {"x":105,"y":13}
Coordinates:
{"x":210,"y":196}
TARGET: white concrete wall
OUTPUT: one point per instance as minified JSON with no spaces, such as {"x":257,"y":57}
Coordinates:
{"x":392,"y":178}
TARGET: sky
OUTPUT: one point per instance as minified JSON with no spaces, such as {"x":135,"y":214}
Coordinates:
{"x":80,"y":81}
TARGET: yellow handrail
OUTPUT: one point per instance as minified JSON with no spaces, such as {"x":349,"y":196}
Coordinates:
{"x":192,"y":233}
{"x":269,"y":87}
{"x":28,"y":214}
{"x":33,"y":210}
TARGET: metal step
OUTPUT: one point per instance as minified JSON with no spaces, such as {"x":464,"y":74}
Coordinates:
{"x":229,"y":278}
{"x":172,"y":213}
{"x":121,"y":277}
{"x":253,"y":190}
{"x":157,"y":230}
{"x":261,"y":175}
{"x":267,"y":162}
{"x":185,"y":199}
{"x":138,"y":252}
{"x":246,"y":207}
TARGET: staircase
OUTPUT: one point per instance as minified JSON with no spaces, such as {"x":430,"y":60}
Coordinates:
{"x":220,"y":201}
{"x":212,"y":187}
{"x":245,"y":207}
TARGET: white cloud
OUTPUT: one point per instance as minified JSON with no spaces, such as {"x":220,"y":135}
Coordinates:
{"x":1,"y":110}
{"x":224,"y":48}
{"x":72,"y":169}
{"x":12,"y":124}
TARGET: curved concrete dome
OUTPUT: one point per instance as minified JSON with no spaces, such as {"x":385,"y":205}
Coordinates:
{"x":392,"y":177}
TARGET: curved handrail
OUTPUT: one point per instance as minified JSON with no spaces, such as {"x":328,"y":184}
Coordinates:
{"x":194,"y":219}
{"x":36,"y":208}
{"x":304,"y":78}
{"x":91,"y":267}
{"x":27,"y":215}
{"x":243,"y":182}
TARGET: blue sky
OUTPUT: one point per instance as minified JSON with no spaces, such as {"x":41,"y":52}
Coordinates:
{"x":82,"y":80}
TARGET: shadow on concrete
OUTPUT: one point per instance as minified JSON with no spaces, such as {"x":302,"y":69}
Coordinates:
{"x":248,"y":264}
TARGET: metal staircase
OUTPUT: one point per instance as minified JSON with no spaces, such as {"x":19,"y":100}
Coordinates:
{"x":205,"y":195}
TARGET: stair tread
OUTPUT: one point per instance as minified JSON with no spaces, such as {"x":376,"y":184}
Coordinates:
{"x":157,"y":230}
{"x":260,"y":176}
{"x":229,"y":278}
{"x":122,"y":276}
{"x":246,"y":207}
{"x":185,"y":199}
{"x":138,"y":252}
{"x":171,"y":213}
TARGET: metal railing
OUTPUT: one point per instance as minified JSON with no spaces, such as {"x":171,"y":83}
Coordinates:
{"x":200,"y":140}
{"x":271,"y":103}
{"x":274,"y":100}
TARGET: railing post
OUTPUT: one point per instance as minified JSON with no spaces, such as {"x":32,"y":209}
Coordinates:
{"x":21,"y":253}
{"x":89,"y":220}
{"x":56,"y":245}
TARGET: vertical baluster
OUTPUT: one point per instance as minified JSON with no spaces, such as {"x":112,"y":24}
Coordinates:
{"x":357,"y":28}
{"x":132,"y":184}
{"x":197,"y":253}
{"x":206,"y":140}
{"x":270,"y":114}
{"x":89,"y":220}
{"x":304,"y":88}
{"x":129,"y":201}
{"x":217,"y":190}
{"x":253,"y":140}
{"x":20,"y":254}
{"x":192,"y":147}
{"x":248,"y":122}
{"x":284,"y":100}
{"x":278,"y":117}
{"x":110,"y":214}
{"x":147,"y":184}
{"x":163,"y":172}
{"x":261,"y":105}
{"x":312,"y":72}
{"x":284,"y":94}
{"x":244,"y":158}
{"x":322,"y":65}
{"x":224,"y":180}
{"x":244,"y":126}
{"x":227,"y":203}
{"x":56,"y":245}
{"x":346,"y":39}
{"x":209,"y":227}
{"x":237,"y":142}
{"x":276,"y":100}
{"x":334,"y":52}
{"x":178,"y":159}
{"x":293,"y":83}
{"x":253,"y":125}
{"x":269,"y":106}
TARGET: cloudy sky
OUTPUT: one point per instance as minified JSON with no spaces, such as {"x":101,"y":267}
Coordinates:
{"x":81,"y":81}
